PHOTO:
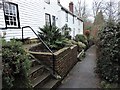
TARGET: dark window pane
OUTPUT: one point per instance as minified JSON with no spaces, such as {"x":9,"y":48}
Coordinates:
{"x":14,"y":18}
{"x":7,"y":22}
{"x":11,"y":22}
{"x":15,"y":24}
{"x":6,"y":17}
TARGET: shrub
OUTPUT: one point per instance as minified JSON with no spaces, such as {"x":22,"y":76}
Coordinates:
{"x":81,"y":46}
{"x":52,"y":36}
{"x":66,"y":31}
{"x":108,"y":53}
{"x":81,"y":38}
{"x":87,"y":33}
{"x":15,"y":65}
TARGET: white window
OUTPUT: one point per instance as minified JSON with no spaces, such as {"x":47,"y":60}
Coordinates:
{"x":47,"y":19}
{"x":66,"y":17}
{"x":73,"y":32}
{"x":53,"y":20}
{"x":47,"y":1}
{"x":73,"y":20}
{"x":11,"y":15}
{"x":79,"y":31}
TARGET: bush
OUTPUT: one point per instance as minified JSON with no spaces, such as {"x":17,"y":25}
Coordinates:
{"x":81,"y":38}
{"x":15,"y":65}
{"x":81,"y":46}
{"x":52,"y":37}
{"x":108,"y":53}
{"x":66,"y":31}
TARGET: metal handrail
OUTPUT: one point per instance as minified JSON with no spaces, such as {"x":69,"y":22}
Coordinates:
{"x":53,"y":56}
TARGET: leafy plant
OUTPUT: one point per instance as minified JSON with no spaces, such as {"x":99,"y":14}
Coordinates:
{"x":81,"y":38}
{"x":15,"y":64}
{"x":52,"y":36}
{"x":108,"y":53}
{"x":66,"y":31}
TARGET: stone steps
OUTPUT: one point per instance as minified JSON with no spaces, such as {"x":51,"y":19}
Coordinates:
{"x":40,"y":80}
{"x":51,"y":84}
{"x":40,"y":76}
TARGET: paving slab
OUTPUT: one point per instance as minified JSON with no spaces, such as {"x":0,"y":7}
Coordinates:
{"x":83,"y":73}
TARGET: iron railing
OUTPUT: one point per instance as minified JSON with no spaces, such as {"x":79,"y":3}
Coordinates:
{"x":53,"y":56}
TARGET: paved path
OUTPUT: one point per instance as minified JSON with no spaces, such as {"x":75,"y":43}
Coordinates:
{"x":82,"y":75}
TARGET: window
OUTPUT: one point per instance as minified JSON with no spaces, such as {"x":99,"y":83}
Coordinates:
{"x":73,"y":20}
{"x":11,"y":15}
{"x":78,"y":22}
{"x":47,"y":1}
{"x":66,"y":17}
{"x":73,"y":32}
{"x":53,"y":20}
{"x":79,"y":31}
{"x":47,"y":19}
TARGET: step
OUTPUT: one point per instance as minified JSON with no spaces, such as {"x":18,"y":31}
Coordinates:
{"x":35,"y":71}
{"x":34,"y":62}
{"x":52,"y":83}
{"x":40,"y":80}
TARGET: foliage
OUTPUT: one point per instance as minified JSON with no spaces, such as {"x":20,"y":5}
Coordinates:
{"x":66,"y":31}
{"x":108,"y":53}
{"x":15,"y":64}
{"x":105,"y":85}
{"x":87,"y":33}
{"x":81,"y":38}
{"x":52,"y":36}
{"x":81,"y":46}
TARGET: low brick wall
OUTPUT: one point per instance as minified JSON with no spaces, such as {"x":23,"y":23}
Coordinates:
{"x":65,"y":59}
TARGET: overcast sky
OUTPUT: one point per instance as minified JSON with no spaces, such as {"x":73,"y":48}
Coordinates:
{"x":65,"y":3}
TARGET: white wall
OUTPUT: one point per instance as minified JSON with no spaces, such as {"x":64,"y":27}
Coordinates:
{"x":32,"y":13}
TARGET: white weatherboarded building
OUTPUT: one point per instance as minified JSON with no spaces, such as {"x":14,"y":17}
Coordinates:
{"x":15,"y":14}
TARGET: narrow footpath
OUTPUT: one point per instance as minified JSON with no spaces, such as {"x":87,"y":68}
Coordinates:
{"x":82,"y":75}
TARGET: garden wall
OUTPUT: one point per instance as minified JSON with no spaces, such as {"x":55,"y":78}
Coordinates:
{"x":65,"y":59}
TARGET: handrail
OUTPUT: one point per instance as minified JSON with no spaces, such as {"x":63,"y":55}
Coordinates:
{"x":43,"y":44}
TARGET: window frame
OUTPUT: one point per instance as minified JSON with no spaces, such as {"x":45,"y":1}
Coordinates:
{"x":73,"y":19}
{"x":17,"y":16}
{"x":47,"y":1}
{"x":53,"y":21}
{"x":48,"y":18}
{"x":66,"y":16}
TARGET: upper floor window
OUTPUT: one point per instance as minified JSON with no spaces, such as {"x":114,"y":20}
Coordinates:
{"x":47,"y":1}
{"x":73,"y":20}
{"x":78,"y":22}
{"x":66,"y":17}
{"x":47,"y":19}
{"x":53,"y":20}
{"x":11,"y":15}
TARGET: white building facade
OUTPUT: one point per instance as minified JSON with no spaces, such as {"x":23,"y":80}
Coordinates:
{"x":15,"y":14}
{"x":119,"y":10}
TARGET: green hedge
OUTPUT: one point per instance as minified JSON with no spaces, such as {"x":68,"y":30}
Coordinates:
{"x":108,"y":53}
{"x":15,"y":65}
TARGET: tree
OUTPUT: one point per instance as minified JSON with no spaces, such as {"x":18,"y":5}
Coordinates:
{"x":111,"y":10}
{"x":81,"y":10}
{"x":108,"y":8}
{"x":97,"y":6}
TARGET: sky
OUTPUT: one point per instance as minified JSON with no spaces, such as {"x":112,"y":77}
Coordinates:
{"x":65,"y":3}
